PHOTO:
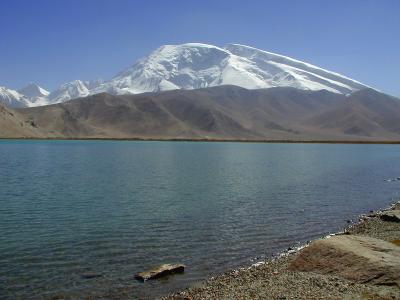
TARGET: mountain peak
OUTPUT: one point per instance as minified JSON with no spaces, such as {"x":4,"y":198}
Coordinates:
{"x":67,"y":91}
{"x":33,"y":90}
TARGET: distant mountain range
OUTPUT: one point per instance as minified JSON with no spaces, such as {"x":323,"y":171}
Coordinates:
{"x":193,"y":66}
{"x":198,"y":91}
{"x":222,"y":112}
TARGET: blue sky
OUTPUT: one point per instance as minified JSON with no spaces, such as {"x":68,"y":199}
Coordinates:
{"x":54,"y":41}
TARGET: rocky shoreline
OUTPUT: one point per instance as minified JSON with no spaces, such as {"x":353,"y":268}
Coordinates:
{"x":362,"y":262}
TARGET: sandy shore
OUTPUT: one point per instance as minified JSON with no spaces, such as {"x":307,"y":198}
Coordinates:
{"x":275,"y":280}
{"x":210,"y":140}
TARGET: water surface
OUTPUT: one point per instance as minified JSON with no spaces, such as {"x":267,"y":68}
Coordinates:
{"x":116,"y":208}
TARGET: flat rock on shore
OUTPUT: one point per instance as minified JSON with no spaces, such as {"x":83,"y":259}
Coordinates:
{"x":391,"y":215}
{"x":160,"y":271}
{"x":359,"y":258}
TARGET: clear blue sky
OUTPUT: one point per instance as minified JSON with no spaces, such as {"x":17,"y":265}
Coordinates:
{"x":54,"y":41}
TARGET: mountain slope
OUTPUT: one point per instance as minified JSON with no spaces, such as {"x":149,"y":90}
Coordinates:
{"x":225,"y":112}
{"x":365,"y":112}
{"x":286,"y":71}
{"x":15,"y":125}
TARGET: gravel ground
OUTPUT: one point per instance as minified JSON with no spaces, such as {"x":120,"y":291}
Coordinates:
{"x":273,"y":280}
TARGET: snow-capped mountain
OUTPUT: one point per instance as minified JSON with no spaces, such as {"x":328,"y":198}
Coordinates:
{"x":32,"y":90}
{"x":194,"y":65}
{"x":72,"y":90}
{"x":67,"y":91}
{"x":12,"y":98}
{"x":30,"y":95}
{"x":36,"y":95}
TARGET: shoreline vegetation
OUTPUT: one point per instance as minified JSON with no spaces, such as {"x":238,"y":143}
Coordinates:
{"x":360,"y":262}
{"x":272,"y":141}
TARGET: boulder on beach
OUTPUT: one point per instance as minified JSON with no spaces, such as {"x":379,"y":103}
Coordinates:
{"x":160,"y":271}
{"x":358,"y":258}
{"x":391,"y":215}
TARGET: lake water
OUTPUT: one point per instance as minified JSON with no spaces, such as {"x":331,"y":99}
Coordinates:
{"x":117,"y":208}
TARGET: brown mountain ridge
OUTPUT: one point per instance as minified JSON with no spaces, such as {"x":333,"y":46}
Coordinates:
{"x":223,"y":113}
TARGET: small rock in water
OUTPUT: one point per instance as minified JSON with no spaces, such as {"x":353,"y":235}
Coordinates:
{"x":90,"y":275}
{"x":161,"y":271}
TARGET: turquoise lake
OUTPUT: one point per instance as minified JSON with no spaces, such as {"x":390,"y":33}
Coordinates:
{"x":116,"y":208}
